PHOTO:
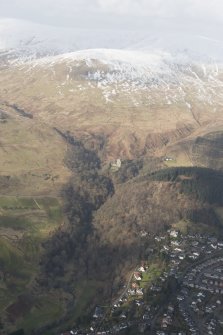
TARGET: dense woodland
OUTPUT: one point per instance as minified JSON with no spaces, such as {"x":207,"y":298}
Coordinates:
{"x":204,"y":184}
{"x":88,"y":190}
{"x":85,"y":193}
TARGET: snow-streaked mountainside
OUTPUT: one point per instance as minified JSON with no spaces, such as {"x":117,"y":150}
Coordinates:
{"x":117,"y":62}
{"x":25,"y":39}
{"x":121,"y":71}
{"x":133,"y":58}
{"x":136,"y":89}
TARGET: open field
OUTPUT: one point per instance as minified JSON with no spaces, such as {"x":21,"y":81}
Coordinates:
{"x":152,"y":273}
{"x":45,"y":309}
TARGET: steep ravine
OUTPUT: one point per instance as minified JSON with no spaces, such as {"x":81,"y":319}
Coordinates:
{"x":71,"y":254}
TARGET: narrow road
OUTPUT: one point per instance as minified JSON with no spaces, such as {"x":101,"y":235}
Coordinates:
{"x":126,"y":288}
{"x":115,"y":302}
{"x":30,"y":196}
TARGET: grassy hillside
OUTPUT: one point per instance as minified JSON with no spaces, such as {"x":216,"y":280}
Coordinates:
{"x":131,"y":119}
{"x":31,"y":156}
{"x":25,"y":223}
{"x":208,"y":150}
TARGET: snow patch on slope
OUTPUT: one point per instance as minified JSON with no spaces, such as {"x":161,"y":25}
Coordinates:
{"x":128,"y":72}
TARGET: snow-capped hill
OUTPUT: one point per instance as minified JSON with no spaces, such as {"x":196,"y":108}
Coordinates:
{"x":128,"y":72}
{"x":116,"y":59}
{"x":113,"y":65}
{"x":22,"y":39}
{"x":127,"y":93}
{"x":124,"y":63}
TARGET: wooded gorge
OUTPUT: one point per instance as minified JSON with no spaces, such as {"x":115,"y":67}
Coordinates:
{"x":106,"y":211}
